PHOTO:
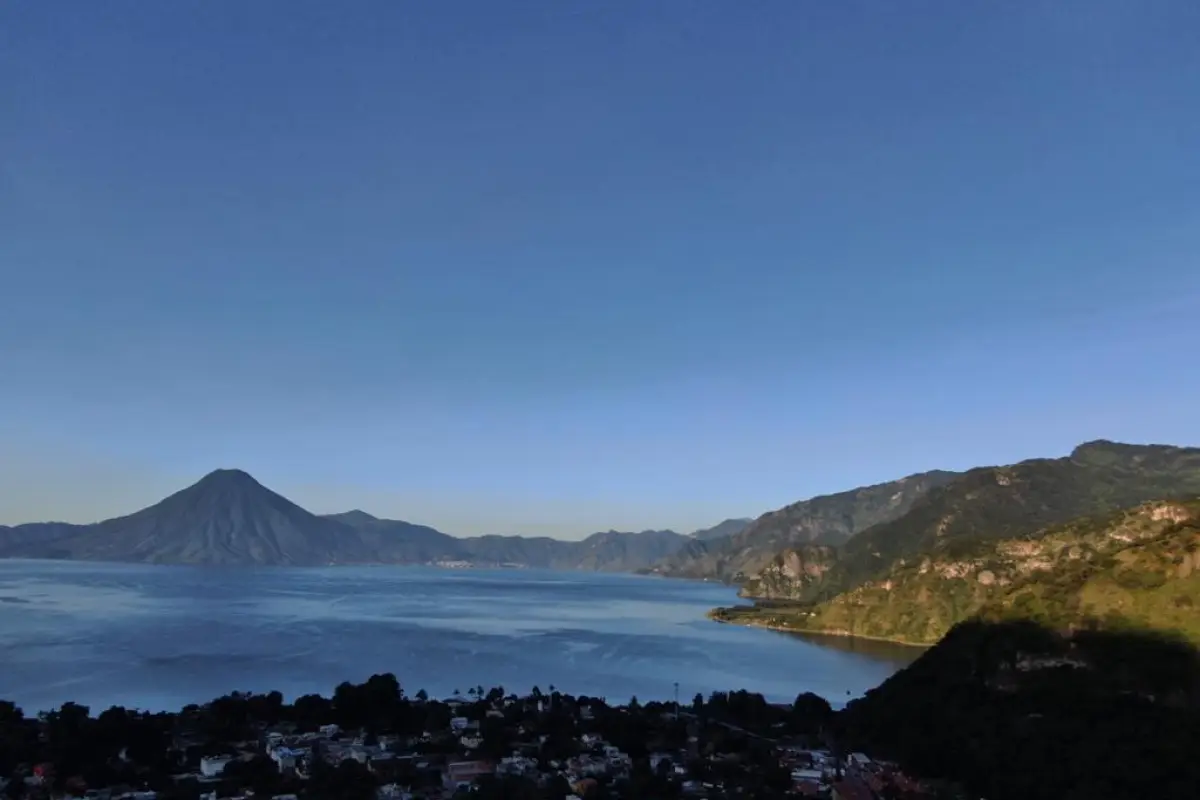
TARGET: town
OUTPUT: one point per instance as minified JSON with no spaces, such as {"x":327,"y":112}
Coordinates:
{"x":373,"y":742}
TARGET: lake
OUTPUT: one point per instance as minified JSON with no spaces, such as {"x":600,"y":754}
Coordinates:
{"x":159,"y":637}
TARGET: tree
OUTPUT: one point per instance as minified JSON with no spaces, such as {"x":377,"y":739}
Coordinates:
{"x":496,"y":742}
{"x":810,"y":714}
{"x":350,"y":780}
{"x":312,"y":710}
{"x":259,"y":774}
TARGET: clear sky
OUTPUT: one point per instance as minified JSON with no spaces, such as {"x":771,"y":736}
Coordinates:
{"x":554,"y":267}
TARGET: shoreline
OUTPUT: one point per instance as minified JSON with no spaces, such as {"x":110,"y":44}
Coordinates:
{"x":839,"y":634}
{"x":444,"y":566}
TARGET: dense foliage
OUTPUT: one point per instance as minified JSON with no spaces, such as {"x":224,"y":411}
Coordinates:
{"x":726,"y":735}
{"x":1016,"y":711}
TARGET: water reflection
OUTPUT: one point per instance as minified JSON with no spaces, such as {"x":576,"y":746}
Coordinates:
{"x":901,"y":655}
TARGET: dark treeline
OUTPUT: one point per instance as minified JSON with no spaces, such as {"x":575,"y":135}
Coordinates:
{"x":140,"y":750}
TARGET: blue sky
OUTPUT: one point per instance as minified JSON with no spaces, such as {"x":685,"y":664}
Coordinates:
{"x":556,"y":267}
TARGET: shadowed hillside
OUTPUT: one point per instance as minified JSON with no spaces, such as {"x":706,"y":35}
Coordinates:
{"x":1017,"y":711}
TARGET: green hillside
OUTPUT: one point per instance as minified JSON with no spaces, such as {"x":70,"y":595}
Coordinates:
{"x":995,"y":503}
{"x":1139,"y":568}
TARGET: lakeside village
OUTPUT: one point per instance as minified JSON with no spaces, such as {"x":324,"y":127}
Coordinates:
{"x":372,"y":742}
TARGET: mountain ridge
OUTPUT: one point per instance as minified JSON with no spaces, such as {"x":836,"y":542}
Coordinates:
{"x":879,"y":583}
{"x":1000,"y":501}
{"x":820,"y":520}
{"x":1137,"y":567}
{"x":808,"y":551}
{"x":728,"y":527}
{"x":228,"y":518}
{"x":225,"y":518}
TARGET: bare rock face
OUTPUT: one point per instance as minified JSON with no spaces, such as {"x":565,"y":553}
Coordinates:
{"x":790,"y":572}
{"x":1170,"y":511}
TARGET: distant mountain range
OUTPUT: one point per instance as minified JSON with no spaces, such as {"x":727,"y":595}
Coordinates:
{"x":729,"y":527}
{"x":828,"y":554}
{"x":229,"y":518}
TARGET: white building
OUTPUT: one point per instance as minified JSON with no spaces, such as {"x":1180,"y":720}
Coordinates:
{"x":814,"y":775}
{"x":285,"y":758}
{"x":213,"y":766}
{"x":393,"y":791}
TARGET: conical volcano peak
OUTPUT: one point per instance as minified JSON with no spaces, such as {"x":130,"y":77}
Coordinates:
{"x":224,"y":486}
{"x":228,"y":477}
{"x":230,"y":488}
{"x":228,"y":517}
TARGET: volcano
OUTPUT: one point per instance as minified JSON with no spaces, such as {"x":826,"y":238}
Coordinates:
{"x":225,"y":518}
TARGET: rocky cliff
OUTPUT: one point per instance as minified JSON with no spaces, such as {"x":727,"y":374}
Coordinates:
{"x":790,"y":573}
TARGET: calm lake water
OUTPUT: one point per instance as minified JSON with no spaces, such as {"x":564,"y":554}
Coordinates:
{"x":161,"y":637}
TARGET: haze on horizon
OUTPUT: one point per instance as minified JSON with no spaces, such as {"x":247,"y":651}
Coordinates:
{"x":550,"y":268}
